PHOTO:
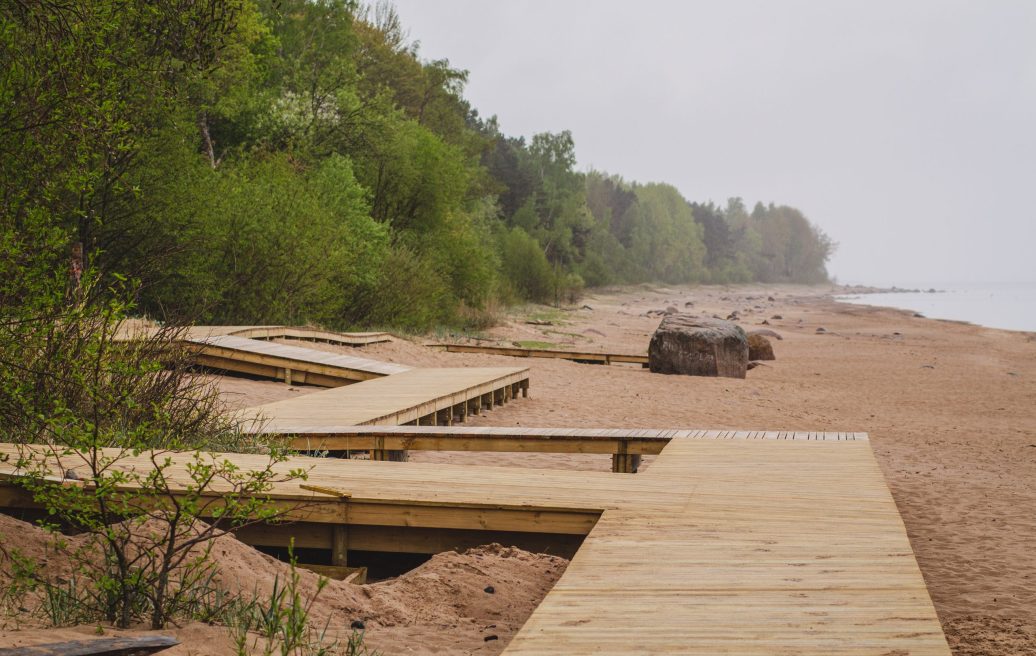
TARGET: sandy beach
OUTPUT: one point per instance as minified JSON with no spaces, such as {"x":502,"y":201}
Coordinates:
{"x":949,"y":408}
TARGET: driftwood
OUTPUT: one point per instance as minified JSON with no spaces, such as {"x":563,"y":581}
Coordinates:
{"x":125,"y":646}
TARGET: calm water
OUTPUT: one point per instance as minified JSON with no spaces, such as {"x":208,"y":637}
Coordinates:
{"x":1004,"y":305}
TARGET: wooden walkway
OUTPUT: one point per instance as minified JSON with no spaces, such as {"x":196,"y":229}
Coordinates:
{"x":625,"y":445}
{"x":762,"y":547}
{"x":588,"y":357}
{"x":425,"y":396}
{"x":132,"y":330}
{"x":301,"y":333}
{"x":725,"y":545}
{"x":292,"y":364}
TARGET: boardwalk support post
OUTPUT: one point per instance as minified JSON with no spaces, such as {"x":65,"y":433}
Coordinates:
{"x":624,"y":462}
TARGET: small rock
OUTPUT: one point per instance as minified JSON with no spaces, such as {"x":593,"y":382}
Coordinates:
{"x":733,"y":316}
{"x":689,"y":304}
{"x":71,"y":475}
{"x":776,"y":317}
{"x":489,"y":589}
{"x":670,"y":310}
{"x":759,"y":348}
{"x":770,"y":298}
{"x":928,"y":366}
{"x":821,"y":329}
{"x":587,"y":307}
{"x":918,"y":315}
{"x":357,"y":625}
{"x":490,"y":637}
{"x":764,"y":322}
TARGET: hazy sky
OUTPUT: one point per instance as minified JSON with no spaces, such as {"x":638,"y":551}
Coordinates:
{"x":906,"y":130}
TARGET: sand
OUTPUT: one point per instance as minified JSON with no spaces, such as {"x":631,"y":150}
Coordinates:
{"x":471,"y":602}
{"x":950,"y":408}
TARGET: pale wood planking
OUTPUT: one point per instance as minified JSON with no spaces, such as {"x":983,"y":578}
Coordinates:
{"x":130,"y":330}
{"x":396,"y":399}
{"x":734,"y":546}
{"x":518,"y":352}
{"x":310,"y":334}
{"x":638,"y":441}
{"x":228,"y":350}
{"x":766,"y":547}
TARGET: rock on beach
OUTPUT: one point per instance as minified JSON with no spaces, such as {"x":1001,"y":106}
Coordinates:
{"x":695,"y":346}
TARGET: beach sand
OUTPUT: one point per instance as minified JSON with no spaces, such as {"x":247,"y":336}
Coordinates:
{"x":950,"y":409}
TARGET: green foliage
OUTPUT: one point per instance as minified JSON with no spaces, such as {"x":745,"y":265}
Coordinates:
{"x":528,"y":272}
{"x":270,"y":243}
{"x":299,"y":162}
{"x":98,"y":422}
{"x":281,"y":623}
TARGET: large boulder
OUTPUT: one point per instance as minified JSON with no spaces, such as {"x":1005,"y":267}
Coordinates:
{"x":695,"y":346}
{"x":759,"y":348}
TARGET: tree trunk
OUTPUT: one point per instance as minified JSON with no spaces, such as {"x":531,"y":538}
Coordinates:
{"x":210,"y":150}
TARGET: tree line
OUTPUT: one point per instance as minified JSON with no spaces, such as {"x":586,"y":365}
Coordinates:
{"x":297,"y":161}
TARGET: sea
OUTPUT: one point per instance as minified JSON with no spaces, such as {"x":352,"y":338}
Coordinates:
{"x":1011,"y":306}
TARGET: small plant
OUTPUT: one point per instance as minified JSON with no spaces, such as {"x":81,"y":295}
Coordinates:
{"x":282,"y":623}
{"x":66,"y":604}
{"x":534,"y":344}
{"x":24,"y":578}
{"x":113,"y":442}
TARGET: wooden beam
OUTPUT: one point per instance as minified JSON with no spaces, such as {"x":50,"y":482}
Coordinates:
{"x":354,"y":575}
{"x":585,"y":357}
{"x":340,"y":545}
{"x":406,"y":539}
{"x":121,"y":646}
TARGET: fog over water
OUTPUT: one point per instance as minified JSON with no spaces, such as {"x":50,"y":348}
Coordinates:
{"x":904,"y":129}
{"x":1011,"y":306}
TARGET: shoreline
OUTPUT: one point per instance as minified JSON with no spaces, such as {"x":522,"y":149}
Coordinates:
{"x":988,"y":308}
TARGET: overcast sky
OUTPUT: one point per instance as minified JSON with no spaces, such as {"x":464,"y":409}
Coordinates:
{"x":906,"y":129}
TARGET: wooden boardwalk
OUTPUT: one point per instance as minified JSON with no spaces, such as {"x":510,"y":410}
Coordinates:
{"x":301,"y":333}
{"x":625,"y":445}
{"x":292,"y":364}
{"x":728,"y":545}
{"x":134,"y":330}
{"x":762,"y":547}
{"x":426,"y":396}
{"x":588,"y":357}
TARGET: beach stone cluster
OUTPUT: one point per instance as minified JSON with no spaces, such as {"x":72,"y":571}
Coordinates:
{"x":696,"y":346}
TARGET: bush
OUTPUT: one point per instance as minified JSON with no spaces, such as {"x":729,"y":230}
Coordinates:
{"x":411,"y":293}
{"x":97,"y":421}
{"x":524,"y":266}
{"x":570,"y":288}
